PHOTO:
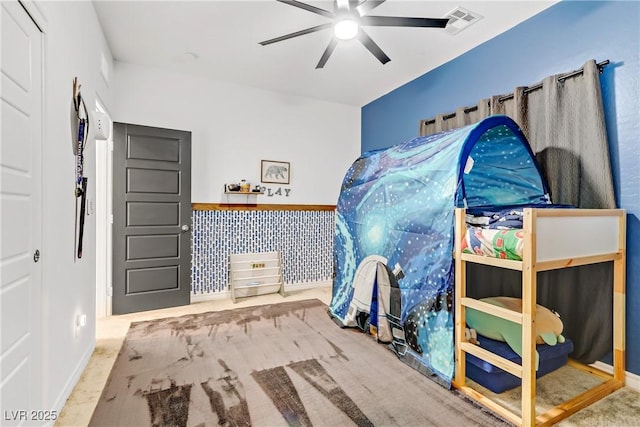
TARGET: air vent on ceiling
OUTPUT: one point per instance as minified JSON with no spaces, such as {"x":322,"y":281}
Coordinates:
{"x":459,"y":19}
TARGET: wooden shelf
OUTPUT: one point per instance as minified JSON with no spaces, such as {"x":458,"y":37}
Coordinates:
{"x":256,"y":285}
{"x":244,"y":193}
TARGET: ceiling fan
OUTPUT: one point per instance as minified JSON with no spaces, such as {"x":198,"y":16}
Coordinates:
{"x":348,"y":18}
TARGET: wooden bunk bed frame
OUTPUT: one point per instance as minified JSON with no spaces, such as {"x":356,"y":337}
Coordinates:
{"x":551,"y":241}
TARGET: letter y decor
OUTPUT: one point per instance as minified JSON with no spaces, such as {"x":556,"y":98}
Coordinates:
{"x":276,"y":172}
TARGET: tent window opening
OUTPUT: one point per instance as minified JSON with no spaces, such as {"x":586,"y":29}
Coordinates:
{"x":502,"y":171}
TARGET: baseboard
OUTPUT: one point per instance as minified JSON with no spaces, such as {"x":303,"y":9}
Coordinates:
{"x":72,"y":381}
{"x":210,"y":296}
{"x":631,"y":380}
{"x":288,"y":287}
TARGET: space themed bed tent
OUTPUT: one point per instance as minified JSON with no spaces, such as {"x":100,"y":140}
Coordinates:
{"x":394,"y":232}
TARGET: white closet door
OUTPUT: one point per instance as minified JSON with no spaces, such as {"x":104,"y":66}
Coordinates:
{"x":21,"y":360}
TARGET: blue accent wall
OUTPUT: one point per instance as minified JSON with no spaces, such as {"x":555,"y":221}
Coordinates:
{"x":557,"y":40}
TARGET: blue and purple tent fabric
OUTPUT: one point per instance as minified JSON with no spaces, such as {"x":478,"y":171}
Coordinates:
{"x":394,"y":232}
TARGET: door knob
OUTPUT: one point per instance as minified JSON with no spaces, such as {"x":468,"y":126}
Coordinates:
{"x":185,"y":228}
{"x":36,"y":255}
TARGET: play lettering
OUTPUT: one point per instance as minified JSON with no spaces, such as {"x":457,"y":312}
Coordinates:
{"x":280,"y":191}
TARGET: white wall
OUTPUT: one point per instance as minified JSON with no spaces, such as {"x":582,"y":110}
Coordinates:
{"x":234,"y":127}
{"x":74,"y":44}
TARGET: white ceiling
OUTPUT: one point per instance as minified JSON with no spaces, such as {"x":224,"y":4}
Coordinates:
{"x":225,"y":35}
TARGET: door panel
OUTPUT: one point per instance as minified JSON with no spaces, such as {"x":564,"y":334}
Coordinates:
{"x":150,"y":214}
{"x":147,"y":247}
{"x":153,"y":181}
{"x":154,"y":149}
{"x":21,"y":218}
{"x":150,"y":279}
{"x":151,"y":206}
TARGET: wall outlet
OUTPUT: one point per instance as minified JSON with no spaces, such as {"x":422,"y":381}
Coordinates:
{"x":81,"y":320}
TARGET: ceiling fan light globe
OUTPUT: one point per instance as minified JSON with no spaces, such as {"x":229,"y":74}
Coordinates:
{"x":346,"y":29}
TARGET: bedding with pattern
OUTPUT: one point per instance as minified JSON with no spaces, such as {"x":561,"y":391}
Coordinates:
{"x":497,"y":233}
{"x":505,"y":244}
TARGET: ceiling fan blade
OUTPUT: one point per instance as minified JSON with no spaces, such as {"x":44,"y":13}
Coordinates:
{"x":296,"y":34}
{"x":340,"y":6}
{"x":368,"y":6}
{"x":397,"y":21}
{"x":372,"y":46}
{"x":327,"y":52}
{"x":308,"y":7}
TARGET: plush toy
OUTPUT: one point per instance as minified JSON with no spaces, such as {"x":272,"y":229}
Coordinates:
{"x":548,"y":325}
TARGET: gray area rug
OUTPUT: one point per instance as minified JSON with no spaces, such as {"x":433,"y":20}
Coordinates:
{"x":619,"y":409}
{"x":274,"y":365}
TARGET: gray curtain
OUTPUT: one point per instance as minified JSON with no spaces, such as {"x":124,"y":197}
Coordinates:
{"x":566,"y":128}
{"x":563,"y":120}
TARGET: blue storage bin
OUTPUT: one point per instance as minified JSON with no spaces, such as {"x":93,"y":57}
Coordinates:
{"x":497,"y":380}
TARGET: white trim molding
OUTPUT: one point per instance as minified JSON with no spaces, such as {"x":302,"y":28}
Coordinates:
{"x":103,"y":211}
{"x":288,"y":287}
{"x":61,"y":399}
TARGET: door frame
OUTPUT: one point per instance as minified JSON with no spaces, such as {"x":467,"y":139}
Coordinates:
{"x":104,"y":218}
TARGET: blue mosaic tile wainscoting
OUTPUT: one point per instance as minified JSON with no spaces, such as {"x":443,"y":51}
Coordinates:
{"x":304,"y":239}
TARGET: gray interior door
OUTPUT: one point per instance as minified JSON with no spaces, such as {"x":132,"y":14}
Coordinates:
{"x":151,"y":218}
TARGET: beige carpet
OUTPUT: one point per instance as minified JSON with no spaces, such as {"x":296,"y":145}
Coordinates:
{"x":273,"y":365}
